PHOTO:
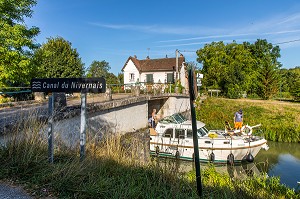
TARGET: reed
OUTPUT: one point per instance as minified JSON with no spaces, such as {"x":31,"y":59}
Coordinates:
{"x":280,"y":120}
{"x":114,"y":167}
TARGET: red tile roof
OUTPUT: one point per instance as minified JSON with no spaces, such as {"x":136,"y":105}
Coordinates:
{"x":153,"y":65}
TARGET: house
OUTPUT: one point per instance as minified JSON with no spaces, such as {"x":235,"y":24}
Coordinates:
{"x":154,"y":71}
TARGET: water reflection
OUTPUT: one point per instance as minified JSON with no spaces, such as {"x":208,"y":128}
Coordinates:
{"x":283,"y":160}
{"x":239,"y":171}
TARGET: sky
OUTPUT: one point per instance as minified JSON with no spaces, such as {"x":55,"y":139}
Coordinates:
{"x":113,"y":30}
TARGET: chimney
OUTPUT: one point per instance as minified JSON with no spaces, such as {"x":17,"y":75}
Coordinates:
{"x":166,"y":56}
{"x":135,"y":56}
{"x":147,"y":57}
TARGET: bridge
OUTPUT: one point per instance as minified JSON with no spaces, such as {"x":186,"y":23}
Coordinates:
{"x":116,"y":113}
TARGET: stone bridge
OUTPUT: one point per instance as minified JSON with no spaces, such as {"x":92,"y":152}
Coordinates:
{"x":120,"y":113}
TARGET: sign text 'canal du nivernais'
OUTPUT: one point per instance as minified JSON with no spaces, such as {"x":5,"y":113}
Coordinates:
{"x":72,"y":85}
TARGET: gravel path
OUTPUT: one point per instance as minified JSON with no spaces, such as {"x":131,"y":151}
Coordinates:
{"x":12,"y":192}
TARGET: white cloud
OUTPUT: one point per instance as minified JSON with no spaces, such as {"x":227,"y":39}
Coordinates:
{"x":159,"y":29}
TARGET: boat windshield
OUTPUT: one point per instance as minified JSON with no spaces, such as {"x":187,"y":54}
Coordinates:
{"x":176,"y":118}
{"x":202,"y":131}
{"x":179,"y":118}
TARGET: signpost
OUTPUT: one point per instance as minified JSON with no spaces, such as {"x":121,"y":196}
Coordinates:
{"x":193,"y":95}
{"x":69,"y":85}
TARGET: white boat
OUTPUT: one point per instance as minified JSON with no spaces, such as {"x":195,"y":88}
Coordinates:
{"x":173,"y":137}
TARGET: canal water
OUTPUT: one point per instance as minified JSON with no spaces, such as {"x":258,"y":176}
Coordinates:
{"x":283,"y":160}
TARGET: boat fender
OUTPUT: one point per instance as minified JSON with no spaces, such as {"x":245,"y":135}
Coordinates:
{"x":246,"y":130}
{"x":177,"y":154}
{"x":230,"y":159}
{"x":250,"y":157}
{"x":212,"y":157}
{"x":157,"y":150}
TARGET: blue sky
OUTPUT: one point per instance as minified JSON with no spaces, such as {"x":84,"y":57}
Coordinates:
{"x":113,"y":30}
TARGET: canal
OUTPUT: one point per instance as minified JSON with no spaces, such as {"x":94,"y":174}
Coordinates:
{"x":283,"y":160}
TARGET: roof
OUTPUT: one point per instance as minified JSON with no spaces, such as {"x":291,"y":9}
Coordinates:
{"x":154,"y":65}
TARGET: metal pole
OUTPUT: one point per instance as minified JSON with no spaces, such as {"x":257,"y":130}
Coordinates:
{"x":82,"y":126}
{"x":50,"y":128}
{"x":176,"y":65}
{"x":194,"y":128}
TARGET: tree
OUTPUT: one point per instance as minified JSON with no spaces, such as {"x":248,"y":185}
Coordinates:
{"x":267,"y":67}
{"x":16,"y":43}
{"x":235,"y":68}
{"x":101,"y":69}
{"x":98,"y":69}
{"x":57,"y":58}
{"x":121,"y":78}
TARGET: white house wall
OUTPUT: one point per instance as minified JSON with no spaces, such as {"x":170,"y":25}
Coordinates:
{"x":130,"y":68}
{"x":158,"y":77}
{"x":183,"y":79}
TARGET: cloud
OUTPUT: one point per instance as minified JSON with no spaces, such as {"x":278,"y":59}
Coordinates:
{"x":159,"y":29}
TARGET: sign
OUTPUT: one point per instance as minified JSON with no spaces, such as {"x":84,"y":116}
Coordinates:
{"x":71,"y":85}
{"x":199,"y":77}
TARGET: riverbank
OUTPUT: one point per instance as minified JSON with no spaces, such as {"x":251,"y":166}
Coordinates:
{"x":280,"y":120}
{"x":113,"y":168}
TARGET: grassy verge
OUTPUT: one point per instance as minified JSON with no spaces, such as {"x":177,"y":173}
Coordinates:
{"x":280,"y":120}
{"x":111,"y":170}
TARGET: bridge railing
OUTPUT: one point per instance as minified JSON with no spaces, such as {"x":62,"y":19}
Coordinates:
{"x":114,"y":91}
{"x":145,"y":88}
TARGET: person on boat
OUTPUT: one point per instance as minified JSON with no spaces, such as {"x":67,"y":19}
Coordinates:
{"x":152,"y":119}
{"x":238,"y":119}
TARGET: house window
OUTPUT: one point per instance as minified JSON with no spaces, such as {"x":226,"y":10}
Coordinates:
{"x":149,"y":78}
{"x":131,"y":77}
{"x":170,"y":77}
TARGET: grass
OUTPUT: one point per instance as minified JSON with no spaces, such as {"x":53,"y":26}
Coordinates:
{"x":280,"y":120}
{"x":115,"y":168}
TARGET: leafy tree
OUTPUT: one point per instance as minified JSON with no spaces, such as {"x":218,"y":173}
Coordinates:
{"x":111,"y":78}
{"x":267,"y":66}
{"x":235,"y":68}
{"x":101,"y":69}
{"x":98,"y":69}
{"x":57,"y":58}
{"x":294,"y":82}
{"x":16,"y":43}
{"x":121,"y":78}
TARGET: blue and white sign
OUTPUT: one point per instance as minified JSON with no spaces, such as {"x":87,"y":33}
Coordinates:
{"x":72,"y":85}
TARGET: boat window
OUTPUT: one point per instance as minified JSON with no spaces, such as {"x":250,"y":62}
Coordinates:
{"x":179,"y":118}
{"x":189,"y":133}
{"x":202,"y":131}
{"x":175,"y":118}
{"x":168,"y":133}
{"x":167,"y":120}
{"x":179,"y":133}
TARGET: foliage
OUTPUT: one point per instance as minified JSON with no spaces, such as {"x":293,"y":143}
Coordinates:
{"x":235,"y":68}
{"x":101,"y":69}
{"x":57,"y":59}
{"x":98,"y":69}
{"x":16,"y":43}
{"x":121,"y":78}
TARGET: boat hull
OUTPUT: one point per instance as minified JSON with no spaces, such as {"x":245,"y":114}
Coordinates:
{"x":210,"y":150}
